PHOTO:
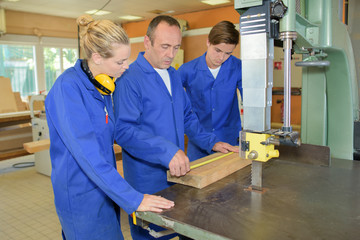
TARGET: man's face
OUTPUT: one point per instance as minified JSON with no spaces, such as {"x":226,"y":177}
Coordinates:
{"x":218,"y":54}
{"x":166,"y":43}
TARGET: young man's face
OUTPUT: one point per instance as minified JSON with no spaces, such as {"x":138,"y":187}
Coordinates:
{"x":166,"y":43}
{"x":218,"y":54}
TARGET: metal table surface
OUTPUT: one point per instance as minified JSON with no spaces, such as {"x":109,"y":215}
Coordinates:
{"x":302,"y":201}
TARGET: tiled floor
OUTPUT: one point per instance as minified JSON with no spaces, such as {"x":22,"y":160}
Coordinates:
{"x":27,"y":208}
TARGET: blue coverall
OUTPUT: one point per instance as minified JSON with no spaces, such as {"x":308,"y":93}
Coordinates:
{"x":150,"y":126}
{"x":214,"y":101}
{"x":87,"y":187}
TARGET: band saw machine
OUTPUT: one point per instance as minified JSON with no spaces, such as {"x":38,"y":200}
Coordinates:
{"x":312,"y":186}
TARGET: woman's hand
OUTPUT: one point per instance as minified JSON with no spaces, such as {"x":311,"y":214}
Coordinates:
{"x":154,"y":204}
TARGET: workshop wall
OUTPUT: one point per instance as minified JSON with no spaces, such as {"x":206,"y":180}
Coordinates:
{"x":195,"y":20}
{"x":39,"y":25}
{"x":296,"y":72}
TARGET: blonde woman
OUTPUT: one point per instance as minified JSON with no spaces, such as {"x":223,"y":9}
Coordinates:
{"x":87,"y":187}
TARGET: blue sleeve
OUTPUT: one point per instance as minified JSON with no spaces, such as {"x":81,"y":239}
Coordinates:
{"x":239,"y":83}
{"x":183,"y":75}
{"x":194,"y":130}
{"x":128,"y":133}
{"x":67,"y":112}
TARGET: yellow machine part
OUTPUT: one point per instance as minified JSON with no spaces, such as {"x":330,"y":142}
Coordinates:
{"x":262,"y":152}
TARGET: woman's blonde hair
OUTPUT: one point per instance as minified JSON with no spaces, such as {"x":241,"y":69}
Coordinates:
{"x":97,"y":36}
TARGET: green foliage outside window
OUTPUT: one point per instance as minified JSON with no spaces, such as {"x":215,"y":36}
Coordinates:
{"x":17,"y":63}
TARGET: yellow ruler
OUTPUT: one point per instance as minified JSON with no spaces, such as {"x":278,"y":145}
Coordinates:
{"x":210,"y":160}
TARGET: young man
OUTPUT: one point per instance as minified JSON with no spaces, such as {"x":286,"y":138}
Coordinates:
{"x":152,"y":114}
{"x":211,"y":82}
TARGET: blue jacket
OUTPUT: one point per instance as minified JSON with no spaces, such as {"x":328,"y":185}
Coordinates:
{"x":214,"y":101}
{"x":150,"y":124}
{"x":85,"y":180}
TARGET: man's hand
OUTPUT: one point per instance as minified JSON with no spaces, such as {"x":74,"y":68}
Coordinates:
{"x":225,"y":147}
{"x":179,"y":164}
{"x":154,"y":204}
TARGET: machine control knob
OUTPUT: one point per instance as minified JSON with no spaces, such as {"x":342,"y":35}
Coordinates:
{"x":253,"y":155}
{"x":278,"y":9}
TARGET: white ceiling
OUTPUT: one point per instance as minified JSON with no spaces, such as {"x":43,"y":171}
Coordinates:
{"x":75,"y":8}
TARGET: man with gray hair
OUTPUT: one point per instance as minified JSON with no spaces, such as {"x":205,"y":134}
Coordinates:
{"x":152,"y":114}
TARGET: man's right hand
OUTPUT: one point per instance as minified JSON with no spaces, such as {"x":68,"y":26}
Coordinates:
{"x":154,"y":204}
{"x":179,"y":164}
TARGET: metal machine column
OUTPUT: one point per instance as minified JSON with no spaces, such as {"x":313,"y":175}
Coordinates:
{"x":287,"y":35}
{"x":257,"y":54}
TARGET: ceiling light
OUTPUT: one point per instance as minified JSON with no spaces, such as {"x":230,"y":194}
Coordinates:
{"x":215,"y":2}
{"x":168,"y":12}
{"x":11,"y":0}
{"x":159,"y":12}
{"x":130,"y":17}
{"x":97,"y":12}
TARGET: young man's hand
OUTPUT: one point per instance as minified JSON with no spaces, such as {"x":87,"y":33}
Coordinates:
{"x":225,"y":147}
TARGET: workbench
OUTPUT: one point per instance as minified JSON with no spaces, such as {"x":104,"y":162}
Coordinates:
{"x":13,"y":118}
{"x":13,"y":135}
{"x":302,"y":201}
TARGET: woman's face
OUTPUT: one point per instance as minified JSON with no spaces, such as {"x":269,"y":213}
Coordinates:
{"x":116,"y":65}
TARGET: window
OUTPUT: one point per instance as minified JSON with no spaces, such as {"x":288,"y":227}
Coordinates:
{"x":56,"y":61}
{"x":52,"y":66}
{"x":17,"y":63}
{"x":33,"y":63}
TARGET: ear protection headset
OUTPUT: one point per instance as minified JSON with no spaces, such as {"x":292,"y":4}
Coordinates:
{"x":103,"y":83}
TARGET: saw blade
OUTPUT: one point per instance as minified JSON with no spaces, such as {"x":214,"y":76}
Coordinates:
{"x":256,"y":175}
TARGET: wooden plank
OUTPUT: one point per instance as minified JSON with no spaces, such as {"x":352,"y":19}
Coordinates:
{"x":38,"y":105}
{"x":13,"y":153}
{"x":13,"y":115}
{"x":119,"y":167}
{"x":117,"y":149}
{"x":275,"y":125}
{"x":207,"y":174}
{"x":10,"y":115}
{"x":7,"y":97}
{"x":18,"y":121}
{"x":14,"y":138}
{"x":21,"y":106}
{"x":37,"y":146}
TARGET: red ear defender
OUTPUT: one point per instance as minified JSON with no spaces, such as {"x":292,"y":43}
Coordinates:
{"x":107,"y":83}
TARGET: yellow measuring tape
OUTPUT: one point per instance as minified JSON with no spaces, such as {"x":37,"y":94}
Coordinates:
{"x":134,"y":218}
{"x":209,"y":161}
